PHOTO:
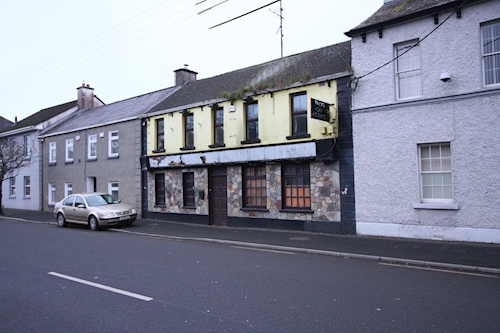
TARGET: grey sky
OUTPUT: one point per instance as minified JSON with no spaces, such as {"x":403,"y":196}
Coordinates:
{"x":127,"y":48}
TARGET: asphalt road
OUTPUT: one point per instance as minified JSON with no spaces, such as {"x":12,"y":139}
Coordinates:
{"x":74,"y":280}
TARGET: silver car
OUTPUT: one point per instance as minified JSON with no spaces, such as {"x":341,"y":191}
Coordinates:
{"x":98,"y":210}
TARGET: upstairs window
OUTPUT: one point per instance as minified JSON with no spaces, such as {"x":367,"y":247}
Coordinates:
{"x":92,"y":147}
{"x":491,"y":53}
{"x":219,"y":127}
{"x":408,"y":70}
{"x":189,"y":130}
{"x":69,"y":150}
{"x":52,"y":152}
{"x":435,"y":173}
{"x":160,"y":135}
{"x":188,"y":189}
{"x":299,"y":114}
{"x":252,"y":122}
{"x":27,"y":148}
{"x":113,"y":144}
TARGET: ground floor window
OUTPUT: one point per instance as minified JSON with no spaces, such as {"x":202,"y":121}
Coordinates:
{"x":296,"y":186}
{"x":160,"y":189}
{"x":12,"y":187}
{"x":52,"y":194}
{"x":27,"y":186}
{"x":254,"y":187}
{"x":435,"y":173}
{"x":113,"y":189}
{"x":188,"y":189}
{"x":68,"y":189}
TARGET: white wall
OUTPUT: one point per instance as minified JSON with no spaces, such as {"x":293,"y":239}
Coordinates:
{"x":386,"y":133}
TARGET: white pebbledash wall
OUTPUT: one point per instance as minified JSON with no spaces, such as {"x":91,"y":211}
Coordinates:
{"x":386,"y":132}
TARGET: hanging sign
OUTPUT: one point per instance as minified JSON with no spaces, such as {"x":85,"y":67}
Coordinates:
{"x":320,"y":110}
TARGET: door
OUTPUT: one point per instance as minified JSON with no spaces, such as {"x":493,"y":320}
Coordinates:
{"x":91,"y":184}
{"x":218,"y":196}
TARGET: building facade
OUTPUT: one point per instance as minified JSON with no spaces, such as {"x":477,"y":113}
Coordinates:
{"x":426,"y":96}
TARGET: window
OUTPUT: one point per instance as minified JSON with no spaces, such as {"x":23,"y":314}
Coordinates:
{"x":92,"y":149}
{"x":296,"y":185}
{"x":160,"y":189}
{"x":52,"y":194}
{"x":254,"y":186}
{"x":299,"y":114}
{"x":252,"y":122}
{"x":160,"y":134}
{"x":113,"y":144}
{"x":68,"y":189}
{"x":12,"y":187}
{"x":52,"y":153}
{"x":408,"y":70}
{"x":435,"y":173}
{"x":188,"y":189}
{"x":27,"y":186}
{"x":219,"y":127}
{"x":491,"y":52}
{"x":26,"y":147}
{"x":189,"y":131}
{"x":113,"y":189}
{"x":69,"y":150}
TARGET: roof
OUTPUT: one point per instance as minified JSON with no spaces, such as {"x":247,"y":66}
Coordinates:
{"x":4,"y":123}
{"x":307,"y":66}
{"x":127,"y":109}
{"x":41,"y":116}
{"x":398,"y":11}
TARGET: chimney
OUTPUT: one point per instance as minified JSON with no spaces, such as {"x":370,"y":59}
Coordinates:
{"x":15,"y":120}
{"x":184,"y":75}
{"x":85,"y":97}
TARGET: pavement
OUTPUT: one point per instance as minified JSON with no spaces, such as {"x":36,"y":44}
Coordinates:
{"x":478,"y":257}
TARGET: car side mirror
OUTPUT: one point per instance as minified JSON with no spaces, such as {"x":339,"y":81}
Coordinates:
{"x":81,"y":206}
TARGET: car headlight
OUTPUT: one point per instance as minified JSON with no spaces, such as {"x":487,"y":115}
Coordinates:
{"x":132,"y":211}
{"x":109,"y":214}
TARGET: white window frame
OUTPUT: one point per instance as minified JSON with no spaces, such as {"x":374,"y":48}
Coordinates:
{"x":68,"y":189}
{"x":92,"y":147}
{"x":27,"y":186}
{"x":69,"y":150}
{"x":490,"y":51}
{"x":12,"y":187}
{"x":52,"y":152}
{"x":113,"y":186}
{"x":27,"y":149}
{"x":52,"y":194}
{"x":113,"y":136}
{"x":435,"y":173}
{"x":408,"y":70}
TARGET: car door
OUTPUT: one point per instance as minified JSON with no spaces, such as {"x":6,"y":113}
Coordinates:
{"x":80,"y":210}
{"x":68,"y":208}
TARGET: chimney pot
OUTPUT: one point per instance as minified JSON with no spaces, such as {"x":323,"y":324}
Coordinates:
{"x":184,"y":75}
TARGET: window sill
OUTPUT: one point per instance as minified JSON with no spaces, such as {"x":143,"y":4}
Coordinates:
{"x":187,"y":148}
{"x":217,"y":145}
{"x":298,"y":136}
{"x":443,"y":206}
{"x":113,"y":157}
{"x":298,"y":210}
{"x":250,"y":141}
{"x":68,"y":162}
{"x":156,"y":151}
{"x":91,"y":159}
{"x":52,"y":163}
{"x":254,"y":209}
{"x":27,"y":197}
{"x":12,"y":196}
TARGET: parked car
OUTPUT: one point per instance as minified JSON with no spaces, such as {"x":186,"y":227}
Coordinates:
{"x":98,"y":210}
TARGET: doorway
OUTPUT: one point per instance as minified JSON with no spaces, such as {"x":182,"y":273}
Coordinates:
{"x":218,"y":196}
{"x":91,"y":184}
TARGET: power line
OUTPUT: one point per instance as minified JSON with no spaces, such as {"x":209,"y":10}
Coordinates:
{"x":233,"y":19}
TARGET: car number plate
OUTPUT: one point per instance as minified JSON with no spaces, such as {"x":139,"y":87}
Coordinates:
{"x":124,"y":218}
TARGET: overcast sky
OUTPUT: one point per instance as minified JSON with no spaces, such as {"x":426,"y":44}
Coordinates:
{"x":127,"y":48}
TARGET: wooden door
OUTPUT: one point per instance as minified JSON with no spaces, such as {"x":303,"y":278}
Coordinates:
{"x":218,"y":196}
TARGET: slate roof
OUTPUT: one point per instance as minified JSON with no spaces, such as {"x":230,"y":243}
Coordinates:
{"x":111,"y":113}
{"x":398,"y":11}
{"x":273,"y":75}
{"x":41,"y":116}
{"x":4,"y":123}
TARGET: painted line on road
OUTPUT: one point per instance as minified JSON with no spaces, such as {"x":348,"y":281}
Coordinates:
{"x":101,"y":286}
{"x":263,"y":250}
{"x":439,"y":270}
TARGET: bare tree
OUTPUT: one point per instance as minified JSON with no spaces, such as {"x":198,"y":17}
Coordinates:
{"x":14,"y":156}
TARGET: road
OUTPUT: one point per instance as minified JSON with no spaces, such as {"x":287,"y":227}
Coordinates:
{"x":74,"y":280}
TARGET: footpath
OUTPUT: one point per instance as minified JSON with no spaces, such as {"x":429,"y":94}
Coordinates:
{"x":466,"y":256}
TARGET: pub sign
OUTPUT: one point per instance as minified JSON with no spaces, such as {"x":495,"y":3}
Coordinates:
{"x":320,"y":110}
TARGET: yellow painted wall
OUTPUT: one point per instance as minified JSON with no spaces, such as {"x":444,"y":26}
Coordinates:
{"x":274,"y":121}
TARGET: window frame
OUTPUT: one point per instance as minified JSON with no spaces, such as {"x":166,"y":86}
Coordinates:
{"x":495,"y":54}
{"x":12,"y":187}
{"x":112,"y":137}
{"x":297,"y":114}
{"x":51,"y":199}
{"x":218,"y":127}
{"x":160,"y":134}
{"x":27,"y":186}
{"x":441,"y":159}
{"x":70,"y":143}
{"x":113,"y":186}
{"x":68,"y":189}
{"x":303,"y":175}
{"x":251,"y":121}
{"x":160,"y":190}
{"x":52,"y":152}
{"x":188,"y":119}
{"x":188,"y":190}
{"x":254,"y":187}
{"x":407,"y":49}
{"x":92,"y":143}
{"x":27,"y":149}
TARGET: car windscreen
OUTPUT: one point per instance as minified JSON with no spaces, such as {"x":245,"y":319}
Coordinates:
{"x":100,"y":200}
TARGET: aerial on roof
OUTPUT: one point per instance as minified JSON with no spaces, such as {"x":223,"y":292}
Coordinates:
{"x":397,"y":11}
{"x":324,"y":63}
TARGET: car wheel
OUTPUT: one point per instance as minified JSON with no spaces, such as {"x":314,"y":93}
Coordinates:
{"x":93,"y":223}
{"x":61,"y":221}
